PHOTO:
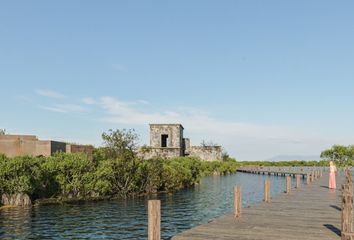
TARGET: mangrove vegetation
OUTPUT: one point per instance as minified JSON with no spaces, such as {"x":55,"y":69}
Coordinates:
{"x":115,"y":171}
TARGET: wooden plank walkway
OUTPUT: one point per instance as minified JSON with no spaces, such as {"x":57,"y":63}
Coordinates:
{"x":312,"y":212}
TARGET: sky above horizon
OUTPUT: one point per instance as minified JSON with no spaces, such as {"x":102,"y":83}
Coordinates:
{"x":261,"y":78}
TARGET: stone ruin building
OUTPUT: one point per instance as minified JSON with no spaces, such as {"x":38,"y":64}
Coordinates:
{"x":167,"y":141}
{"x":30,"y":145}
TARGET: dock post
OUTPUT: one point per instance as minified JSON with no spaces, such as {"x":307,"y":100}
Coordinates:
{"x":298,"y":181}
{"x":347,"y":209}
{"x":154,"y":220}
{"x":237,"y":201}
{"x":308,"y":180}
{"x":288,"y":185}
{"x":267,"y":191}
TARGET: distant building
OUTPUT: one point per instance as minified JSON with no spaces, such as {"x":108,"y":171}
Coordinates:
{"x":20,"y":145}
{"x":167,"y":141}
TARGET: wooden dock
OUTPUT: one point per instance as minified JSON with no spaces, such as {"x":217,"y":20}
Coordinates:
{"x":280,"y":171}
{"x":311,"y":212}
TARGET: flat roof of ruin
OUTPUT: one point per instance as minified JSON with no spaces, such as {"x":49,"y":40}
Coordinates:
{"x":7,"y":137}
{"x":13,"y":136}
{"x":166,"y":124}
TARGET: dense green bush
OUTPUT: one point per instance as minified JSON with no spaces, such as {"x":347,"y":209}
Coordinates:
{"x":115,"y":170}
{"x":217,"y":167}
{"x":180,"y":172}
{"x":20,"y":175}
{"x":73,"y":175}
{"x":68,"y":175}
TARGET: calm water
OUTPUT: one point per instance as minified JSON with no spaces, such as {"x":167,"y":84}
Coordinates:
{"x":127,"y":219}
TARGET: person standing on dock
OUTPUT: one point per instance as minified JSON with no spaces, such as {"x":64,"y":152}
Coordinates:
{"x":332,"y":175}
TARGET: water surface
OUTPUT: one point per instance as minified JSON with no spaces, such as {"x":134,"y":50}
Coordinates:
{"x":127,"y":219}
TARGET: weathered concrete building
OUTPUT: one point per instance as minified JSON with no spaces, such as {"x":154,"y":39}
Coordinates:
{"x":20,"y":145}
{"x":167,"y":141}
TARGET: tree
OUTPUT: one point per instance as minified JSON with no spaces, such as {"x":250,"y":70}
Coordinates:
{"x":73,"y":172}
{"x":121,"y":143}
{"x":19,"y":175}
{"x":226,"y":157}
{"x":343,"y":155}
{"x":2,"y":131}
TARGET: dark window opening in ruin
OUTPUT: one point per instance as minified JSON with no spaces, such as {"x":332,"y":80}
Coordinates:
{"x":164,"y":140}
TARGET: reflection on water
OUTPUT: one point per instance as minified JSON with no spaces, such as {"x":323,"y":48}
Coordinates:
{"x":127,"y":219}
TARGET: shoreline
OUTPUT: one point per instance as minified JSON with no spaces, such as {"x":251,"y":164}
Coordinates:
{"x":76,"y":200}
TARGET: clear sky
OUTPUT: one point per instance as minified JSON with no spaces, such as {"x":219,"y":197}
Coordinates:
{"x":261,"y":78}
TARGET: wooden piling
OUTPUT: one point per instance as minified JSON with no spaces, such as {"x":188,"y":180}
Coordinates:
{"x":298,"y":181}
{"x":308,"y":180}
{"x":154,"y":220}
{"x":347,"y":209}
{"x":347,"y":236}
{"x":267,"y":191}
{"x":288,"y":185}
{"x":237,"y":201}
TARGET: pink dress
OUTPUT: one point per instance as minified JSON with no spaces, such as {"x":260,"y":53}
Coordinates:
{"x":332,"y":177}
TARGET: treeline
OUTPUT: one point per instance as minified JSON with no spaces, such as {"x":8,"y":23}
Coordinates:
{"x":74,"y":176}
{"x":341,"y":155}
{"x":115,"y":170}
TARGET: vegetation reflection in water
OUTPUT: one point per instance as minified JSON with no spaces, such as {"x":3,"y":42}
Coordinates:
{"x":127,"y":219}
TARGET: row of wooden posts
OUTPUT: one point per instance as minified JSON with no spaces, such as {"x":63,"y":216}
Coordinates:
{"x":237,"y":189}
{"x":154,"y":206}
{"x":347,"y":207}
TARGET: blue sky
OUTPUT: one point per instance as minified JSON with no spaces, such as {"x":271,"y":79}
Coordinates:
{"x":262,"y":78}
